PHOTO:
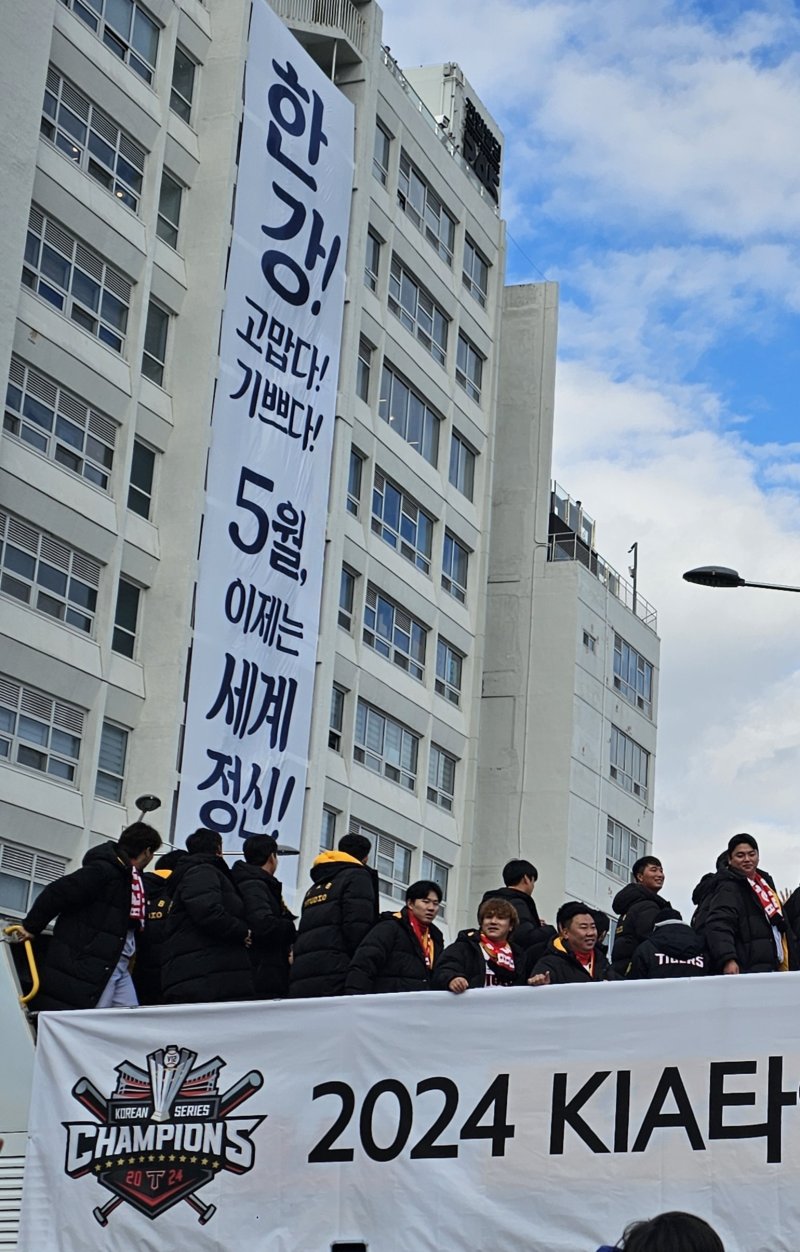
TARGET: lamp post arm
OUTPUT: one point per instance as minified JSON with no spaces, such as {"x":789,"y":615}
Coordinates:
{"x":770,"y":586}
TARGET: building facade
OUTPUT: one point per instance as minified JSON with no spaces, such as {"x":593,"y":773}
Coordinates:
{"x":121,"y":158}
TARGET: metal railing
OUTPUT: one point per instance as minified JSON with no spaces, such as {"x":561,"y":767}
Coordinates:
{"x":341,"y":14}
{"x":572,"y":548}
{"x":442,"y":135}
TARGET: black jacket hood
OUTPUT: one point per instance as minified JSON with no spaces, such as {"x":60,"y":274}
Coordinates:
{"x":188,"y":862}
{"x":107,"y":852}
{"x":632,"y":894}
{"x":677,"y":939}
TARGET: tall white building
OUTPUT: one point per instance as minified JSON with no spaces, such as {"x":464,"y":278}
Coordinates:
{"x":119,"y":156}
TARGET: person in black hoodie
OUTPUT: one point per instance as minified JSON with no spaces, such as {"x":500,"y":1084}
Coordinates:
{"x":573,"y":957}
{"x":701,"y":896}
{"x":400,"y":952}
{"x":100,"y":910}
{"x":530,"y":933}
{"x":150,"y":948}
{"x":206,"y":954}
{"x":745,"y":929}
{"x":486,"y":957}
{"x":339,"y":909}
{"x":673,"y":950}
{"x":271,"y":924}
{"x":638,"y":907}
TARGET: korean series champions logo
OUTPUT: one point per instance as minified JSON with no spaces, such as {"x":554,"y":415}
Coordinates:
{"x":163,"y":1133}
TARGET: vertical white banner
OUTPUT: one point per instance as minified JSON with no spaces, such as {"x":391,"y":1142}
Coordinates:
{"x":248,"y":715}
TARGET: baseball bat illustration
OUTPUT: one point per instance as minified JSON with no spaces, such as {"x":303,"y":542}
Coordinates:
{"x":205,"y":1211}
{"x":102,"y":1214}
{"x":88,"y":1095}
{"x":239,"y":1092}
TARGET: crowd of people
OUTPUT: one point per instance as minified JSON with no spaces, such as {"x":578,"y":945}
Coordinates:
{"x":195,"y":929}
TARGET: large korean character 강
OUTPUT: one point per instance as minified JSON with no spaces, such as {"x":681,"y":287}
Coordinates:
{"x":296,"y":114}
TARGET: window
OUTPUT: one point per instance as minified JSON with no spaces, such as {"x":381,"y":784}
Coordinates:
{"x":438,"y":872}
{"x":46,"y":574}
{"x":589,"y":641}
{"x":140,"y":488}
{"x":386,"y":747}
{"x":155,"y":343}
{"x":408,"y":415}
{"x":394,"y":633}
{"x":354,"y":482}
{"x":183,"y":74}
{"x":56,"y":423}
{"x":623,"y":849}
{"x":111,"y":763}
{"x":418,"y":311}
{"x":125,"y":28}
{"x":89,"y":138}
{"x":469,"y":368}
{"x":125,"y":618}
{"x":372,"y":262}
{"x":441,"y":778}
{"x":475,"y":274}
{"x":419,"y":202}
{"x":462,"y":465}
{"x":365,"y":351}
{"x":38,"y":732}
{"x":380,"y":155}
{"x":336,"y":718}
{"x":76,"y":281}
{"x":391,"y":859}
{"x":633,"y":676}
{"x":327,"y":836}
{"x":455,"y":563}
{"x":23,"y":874}
{"x":347,"y":587}
{"x":401,"y":522}
{"x":448,"y":671}
{"x":629,"y":764}
{"x":169,"y":209}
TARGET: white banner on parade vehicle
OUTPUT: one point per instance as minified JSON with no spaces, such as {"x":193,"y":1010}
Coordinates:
{"x":248,"y":715}
{"x":532,"y":1120}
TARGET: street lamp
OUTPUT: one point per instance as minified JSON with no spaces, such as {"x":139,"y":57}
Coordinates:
{"x":721,"y":576}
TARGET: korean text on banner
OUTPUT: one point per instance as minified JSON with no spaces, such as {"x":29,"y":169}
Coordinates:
{"x":529,"y":1119}
{"x":250,"y":692}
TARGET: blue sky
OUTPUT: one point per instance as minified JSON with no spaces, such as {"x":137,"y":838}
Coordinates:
{"x":652,"y":169}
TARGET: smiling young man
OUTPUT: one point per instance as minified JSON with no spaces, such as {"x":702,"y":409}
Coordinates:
{"x":638,"y":907}
{"x":745,"y":929}
{"x":483,"y":957}
{"x":573,"y":956}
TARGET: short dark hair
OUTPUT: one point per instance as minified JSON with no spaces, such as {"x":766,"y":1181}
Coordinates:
{"x":495,"y":907}
{"x":515,"y":871}
{"x":170,"y":859}
{"x":419,"y":890}
{"x":137,"y":838}
{"x":642,"y":863}
{"x":601,"y":921}
{"x":258,"y":849}
{"x":203,"y":840}
{"x":358,"y":846}
{"x":570,"y":909}
{"x":669,"y":1231}
{"x":743,"y":838}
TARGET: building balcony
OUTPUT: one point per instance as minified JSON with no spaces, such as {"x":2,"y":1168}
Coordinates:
{"x":333,"y":32}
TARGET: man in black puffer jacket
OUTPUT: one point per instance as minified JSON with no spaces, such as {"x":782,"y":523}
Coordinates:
{"x":339,"y":909}
{"x":574,"y":956}
{"x":745,"y":929}
{"x":150,"y":948}
{"x":206,"y":956}
{"x":94,"y":938}
{"x":486,"y":957}
{"x":271,"y":924}
{"x":530,"y":933}
{"x":673,"y":950}
{"x":399,"y":953}
{"x":638,"y":907}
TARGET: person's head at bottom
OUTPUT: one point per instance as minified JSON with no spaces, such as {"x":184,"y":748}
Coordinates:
{"x":671,"y":1232}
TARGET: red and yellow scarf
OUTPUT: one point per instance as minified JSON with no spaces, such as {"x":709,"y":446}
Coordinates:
{"x":424,"y":938}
